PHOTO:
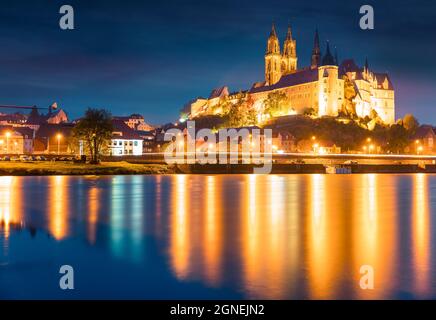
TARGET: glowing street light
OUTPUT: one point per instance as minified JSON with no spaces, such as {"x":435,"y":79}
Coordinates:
{"x":59,"y":137}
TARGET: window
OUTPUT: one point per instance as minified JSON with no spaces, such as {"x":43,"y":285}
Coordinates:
{"x":136,"y":143}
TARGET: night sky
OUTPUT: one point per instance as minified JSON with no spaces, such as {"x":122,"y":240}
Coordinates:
{"x":151,"y":57}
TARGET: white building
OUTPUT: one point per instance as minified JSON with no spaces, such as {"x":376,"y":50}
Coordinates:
{"x":125,"y":141}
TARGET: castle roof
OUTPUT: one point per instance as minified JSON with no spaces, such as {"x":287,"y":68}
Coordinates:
{"x":219,"y":92}
{"x":289,"y":80}
{"x":328,"y":59}
{"x":348,"y":65}
{"x":380,"y":77}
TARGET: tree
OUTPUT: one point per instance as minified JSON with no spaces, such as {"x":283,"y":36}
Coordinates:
{"x":410,"y":123}
{"x":95,"y":130}
{"x":277,"y":104}
{"x":349,"y":107}
{"x":311,"y":112}
{"x":241,"y":115}
{"x":398,"y":138}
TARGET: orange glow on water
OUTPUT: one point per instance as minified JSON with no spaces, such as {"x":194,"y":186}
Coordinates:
{"x":212,"y":244}
{"x":58,"y":207}
{"x":93,"y":207}
{"x":421,"y":233}
{"x":179,"y":238}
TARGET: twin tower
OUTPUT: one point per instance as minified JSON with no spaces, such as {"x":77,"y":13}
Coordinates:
{"x":278,"y":64}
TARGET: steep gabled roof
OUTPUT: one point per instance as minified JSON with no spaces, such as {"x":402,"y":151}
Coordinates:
{"x":126,"y":132}
{"x":219,"y":92}
{"x":49,"y":130}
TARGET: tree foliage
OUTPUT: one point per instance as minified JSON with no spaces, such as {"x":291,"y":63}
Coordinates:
{"x":410,"y":123}
{"x":95,"y":131}
{"x":277,"y":104}
{"x":348,"y":106}
{"x":241,"y":115}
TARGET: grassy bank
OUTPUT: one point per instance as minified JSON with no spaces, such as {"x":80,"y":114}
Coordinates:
{"x":65,"y":168}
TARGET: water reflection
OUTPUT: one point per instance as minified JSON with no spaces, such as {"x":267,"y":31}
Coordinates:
{"x":274,"y":236}
{"x":180,"y":237}
{"x":57,"y":199}
{"x":421,"y":234}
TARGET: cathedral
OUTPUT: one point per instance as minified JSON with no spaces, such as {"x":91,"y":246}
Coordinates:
{"x":324,"y":88}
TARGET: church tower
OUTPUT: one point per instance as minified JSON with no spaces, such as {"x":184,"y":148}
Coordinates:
{"x":289,"y":59}
{"x":273,"y":59}
{"x":316,"y":52}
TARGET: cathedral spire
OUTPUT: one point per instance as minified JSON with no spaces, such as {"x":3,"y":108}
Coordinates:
{"x":273,"y":42}
{"x":366,"y":64}
{"x":289,"y":33}
{"x":273,"y":33}
{"x":316,"y":51}
{"x":273,"y":58}
{"x":289,"y":59}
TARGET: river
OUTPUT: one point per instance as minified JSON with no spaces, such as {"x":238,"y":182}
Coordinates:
{"x":218,"y":236}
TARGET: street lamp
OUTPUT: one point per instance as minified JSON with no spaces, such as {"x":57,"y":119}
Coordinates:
{"x":59,"y":137}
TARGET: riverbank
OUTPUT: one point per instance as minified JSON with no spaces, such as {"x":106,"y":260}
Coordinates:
{"x":47,"y":168}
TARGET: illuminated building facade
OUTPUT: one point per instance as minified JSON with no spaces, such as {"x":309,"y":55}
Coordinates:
{"x":319,"y":88}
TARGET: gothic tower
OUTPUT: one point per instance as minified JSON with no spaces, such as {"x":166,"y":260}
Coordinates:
{"x":289,"y":59}
{"x":316,"y":52}
{"x":273,"y":59}
{"x":328,"y":86}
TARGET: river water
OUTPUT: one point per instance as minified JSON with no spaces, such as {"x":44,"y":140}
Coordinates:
{"x":219,"y":236}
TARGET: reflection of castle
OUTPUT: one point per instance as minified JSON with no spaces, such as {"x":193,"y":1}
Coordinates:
{"x":323,"y":87}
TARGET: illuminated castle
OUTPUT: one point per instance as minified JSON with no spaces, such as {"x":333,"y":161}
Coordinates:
{"x":325,"y":88}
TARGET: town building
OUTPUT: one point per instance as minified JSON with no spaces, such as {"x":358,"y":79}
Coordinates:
{"x":283,"y":141}
{"x":148,"y":141}
{"x":16,"y":140}
{"x":135,"y":122}
{"x":55,"y":139}
{"x":125,"y":141}
{"x":424,"y":140}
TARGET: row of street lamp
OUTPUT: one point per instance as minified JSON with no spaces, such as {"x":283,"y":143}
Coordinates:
{"x":8,"y":135}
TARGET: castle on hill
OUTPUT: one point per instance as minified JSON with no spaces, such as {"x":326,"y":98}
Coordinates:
{"x":326,"y":87}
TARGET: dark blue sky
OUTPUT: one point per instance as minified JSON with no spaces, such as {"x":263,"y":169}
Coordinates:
{"x":151,"y":57}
